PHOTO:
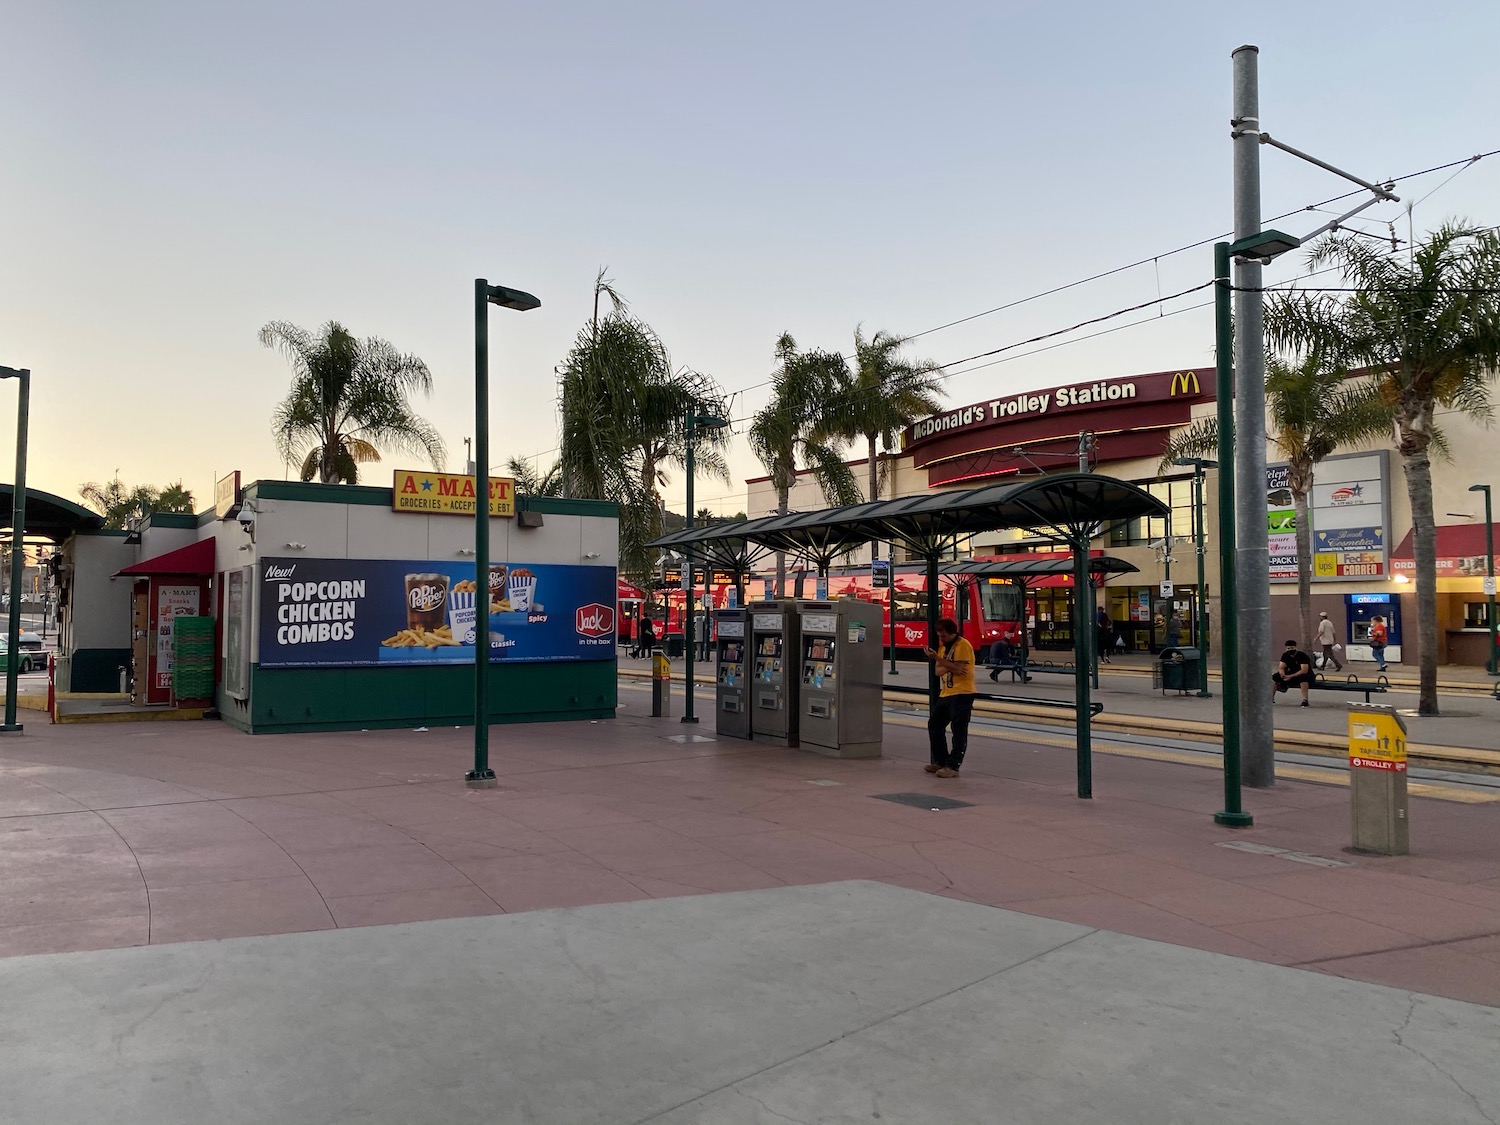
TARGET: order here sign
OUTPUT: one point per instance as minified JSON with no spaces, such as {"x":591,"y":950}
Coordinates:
{"x":448,"y":494}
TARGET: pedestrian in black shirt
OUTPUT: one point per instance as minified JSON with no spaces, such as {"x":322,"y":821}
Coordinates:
{"x":1295,"y":669}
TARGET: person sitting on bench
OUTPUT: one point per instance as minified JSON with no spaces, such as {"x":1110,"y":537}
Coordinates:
{"x":1295,"y":669}
{"x":1004,"y":654}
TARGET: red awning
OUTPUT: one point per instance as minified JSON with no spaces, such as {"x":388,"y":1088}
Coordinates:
{"x":1454,"y":540}
{"x":195,"y":558}
{"x":625,"y":592}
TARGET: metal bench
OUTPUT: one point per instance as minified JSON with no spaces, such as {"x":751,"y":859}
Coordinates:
{"x":1363,"y":687}
{"x":1023,"y":672}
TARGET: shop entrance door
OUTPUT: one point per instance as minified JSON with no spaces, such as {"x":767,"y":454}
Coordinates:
{"x":140,"y":630}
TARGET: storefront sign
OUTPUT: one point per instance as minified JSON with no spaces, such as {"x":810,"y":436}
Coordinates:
{"x":380,"y":612}
{"x":1349,"y":517}
{"x":1186,"y":385}
{"x":171,"y":602}
{"x":226,"y":495}
{"x":448,"y":494}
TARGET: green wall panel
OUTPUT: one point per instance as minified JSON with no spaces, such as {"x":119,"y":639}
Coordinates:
{"x":344,"y":698}
{"x":98,"y":669}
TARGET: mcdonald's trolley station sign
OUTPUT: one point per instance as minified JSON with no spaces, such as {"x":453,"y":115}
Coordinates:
{"x":1131,"y":416}
{"x":448,"y":494}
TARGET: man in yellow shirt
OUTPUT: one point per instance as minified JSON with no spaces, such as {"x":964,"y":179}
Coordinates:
{"x":954,"y":661}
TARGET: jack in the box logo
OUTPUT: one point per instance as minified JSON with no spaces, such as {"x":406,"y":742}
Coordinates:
{"x":594,"y":620}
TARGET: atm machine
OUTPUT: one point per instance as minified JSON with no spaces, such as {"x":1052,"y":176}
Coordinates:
{"x":775,"y":640}
{"x":732,"y":693}
{"x":841,"y":708}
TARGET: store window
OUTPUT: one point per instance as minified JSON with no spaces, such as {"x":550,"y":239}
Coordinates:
{"x":1178,"y":495}
{"x":1477,"y":615}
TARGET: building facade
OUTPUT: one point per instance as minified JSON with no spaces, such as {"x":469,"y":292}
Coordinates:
{"x":1361,"y":515}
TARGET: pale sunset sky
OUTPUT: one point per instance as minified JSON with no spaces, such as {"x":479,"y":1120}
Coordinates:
{"x":174,"y":175}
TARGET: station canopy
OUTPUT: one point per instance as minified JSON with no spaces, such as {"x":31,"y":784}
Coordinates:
{"x":1021,"y":569}
{"x":47,"y":516}
{"x":1071,"y":507}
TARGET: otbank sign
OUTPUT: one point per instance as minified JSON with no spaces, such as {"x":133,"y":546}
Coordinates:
{"x":1161,"y":386}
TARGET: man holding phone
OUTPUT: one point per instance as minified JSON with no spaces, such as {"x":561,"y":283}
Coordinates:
{"x":954,"y":661}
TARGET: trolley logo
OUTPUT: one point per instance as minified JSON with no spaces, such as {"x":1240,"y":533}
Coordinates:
{"x":275,"y":573}
{"x":594,"y":620}
{"x":1349,"y":494}
{"x":1184,"y":383}
{"x":911,"y":635}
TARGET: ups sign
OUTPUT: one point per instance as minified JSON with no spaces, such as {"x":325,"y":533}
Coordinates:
{"x":1184,"y":383}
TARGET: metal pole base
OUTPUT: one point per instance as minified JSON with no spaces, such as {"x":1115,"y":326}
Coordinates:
{"x":12,"y":728}
{"x":689,"y":719}
{"x":1234,"y":819}
{"x":1205,"y":695}
{"x":481,"y":779}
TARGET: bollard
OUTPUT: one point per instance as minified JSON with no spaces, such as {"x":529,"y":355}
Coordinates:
{"x":661,"y":684}
{"x":1377,"y":780}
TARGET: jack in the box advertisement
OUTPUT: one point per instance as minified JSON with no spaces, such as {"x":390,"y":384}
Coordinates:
{"x":363,"y":612}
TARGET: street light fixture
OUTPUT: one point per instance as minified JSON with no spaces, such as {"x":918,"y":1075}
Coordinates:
{"x":694,"y":423}
{"x":485,"y":294}
{"x":1493,"y":663}
{"x":17,"y":550}
{"x":1198,"y":464}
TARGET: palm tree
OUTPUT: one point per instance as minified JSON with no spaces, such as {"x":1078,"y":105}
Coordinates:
{"x":1428,"y":329}
{"x":887,"y":394}
{"x":174,"y":498}
{"x":805,"y":422}
{"x":348,"y":400}
{"x":623,"y":409}
{"x":118,"y":502}
{"x":1314,"y":410}
{"x":532,"y":481}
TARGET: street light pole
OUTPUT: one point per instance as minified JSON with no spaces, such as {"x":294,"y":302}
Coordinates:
{"x":708,"y":422}
{"x":485,"y":294}
{"x":1493,"y":663}
{"x":1198,"y":465}
{"x":17,"y":548}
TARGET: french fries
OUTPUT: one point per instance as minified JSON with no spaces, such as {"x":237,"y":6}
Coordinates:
{"x":441,"y":637}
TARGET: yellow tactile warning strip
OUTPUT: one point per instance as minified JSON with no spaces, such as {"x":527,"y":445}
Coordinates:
{"x":1327,"y":776}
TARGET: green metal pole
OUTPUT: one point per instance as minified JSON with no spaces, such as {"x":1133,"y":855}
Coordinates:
{"x":1233,"y":813}
{"x":17,"y":555}
{"x":891,"y":590}
{"x":1198,"y":522}
{"x":1083,"y":635}
{"x":687,"y":570}
{"x":934,"y":596}
{"x":1493,"y":663}
{"x":481,"y":776}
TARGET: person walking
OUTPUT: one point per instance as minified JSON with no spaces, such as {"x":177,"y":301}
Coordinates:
{"x":1106,"y":632}
{"x":954,"y":660}
{"x":1294,"y":669}
{"x":648,"y":636}
{"x":1378,"y":638}
{"x":1327,"y":640}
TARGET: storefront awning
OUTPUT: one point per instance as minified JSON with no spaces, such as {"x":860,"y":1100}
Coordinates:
{"x":1460,"y":551}
{"x":195,"y":558}
{"x":626,"y":592}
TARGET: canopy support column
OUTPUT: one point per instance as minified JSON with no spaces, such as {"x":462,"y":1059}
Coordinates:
{"x":1083,"y":633}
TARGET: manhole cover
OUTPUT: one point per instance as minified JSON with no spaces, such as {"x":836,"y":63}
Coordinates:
{"x":689,"y":738}
{"x":923,"y":800}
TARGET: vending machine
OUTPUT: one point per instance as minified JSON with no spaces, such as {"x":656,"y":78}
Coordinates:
{"x":841,"y":707}
{"x":732,"y":692}
{"x":774,"y":642}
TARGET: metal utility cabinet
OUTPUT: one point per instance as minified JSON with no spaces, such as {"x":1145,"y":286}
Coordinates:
{"x":1377,"y":780}
{"x":839,"y":671}
{"x":732,"y":691}
{"x":775,"y":639}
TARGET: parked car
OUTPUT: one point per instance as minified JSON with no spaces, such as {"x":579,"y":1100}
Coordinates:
{"x":33,"y":652}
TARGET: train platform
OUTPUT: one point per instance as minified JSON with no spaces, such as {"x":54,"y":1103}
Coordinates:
{"x":645,"y":922}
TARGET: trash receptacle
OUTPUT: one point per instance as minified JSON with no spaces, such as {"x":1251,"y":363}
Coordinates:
{"x":674,"y":646}
{"x":1177,"y":670}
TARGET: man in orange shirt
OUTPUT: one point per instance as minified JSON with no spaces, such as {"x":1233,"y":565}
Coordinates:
{"x":954,"y":660}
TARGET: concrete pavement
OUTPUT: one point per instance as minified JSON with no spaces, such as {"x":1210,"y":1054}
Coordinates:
{"x":841,"y":1003}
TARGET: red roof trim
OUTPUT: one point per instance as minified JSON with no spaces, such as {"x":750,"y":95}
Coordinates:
{"x":195,"y":558}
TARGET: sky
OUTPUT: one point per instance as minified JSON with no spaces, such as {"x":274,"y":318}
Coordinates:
{"x":175,"y":175}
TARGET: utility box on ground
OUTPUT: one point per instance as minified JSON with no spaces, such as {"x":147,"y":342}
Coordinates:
{"x":774,"y":644}
{"x":1377,"y":780}
{"x":732,"y":687}
{"x":840,"y":679}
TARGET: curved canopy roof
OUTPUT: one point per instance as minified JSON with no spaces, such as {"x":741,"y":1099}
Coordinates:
{"x":1039,"y":568}
{"x":48,"y":516}
{"x":1070,"y":506}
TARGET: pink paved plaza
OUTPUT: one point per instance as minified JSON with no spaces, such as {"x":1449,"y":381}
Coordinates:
{"x":132,"y":834}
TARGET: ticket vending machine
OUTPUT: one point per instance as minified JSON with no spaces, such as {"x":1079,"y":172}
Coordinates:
{"x":732,"y":692}
{"x":775,"y":640}
{"x":841,"y":708}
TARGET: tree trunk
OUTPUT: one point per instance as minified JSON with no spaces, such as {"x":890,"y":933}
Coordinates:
{"x":783,"y":498}
{"x":1301,"y":485}
{"x":1418,"y":466}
